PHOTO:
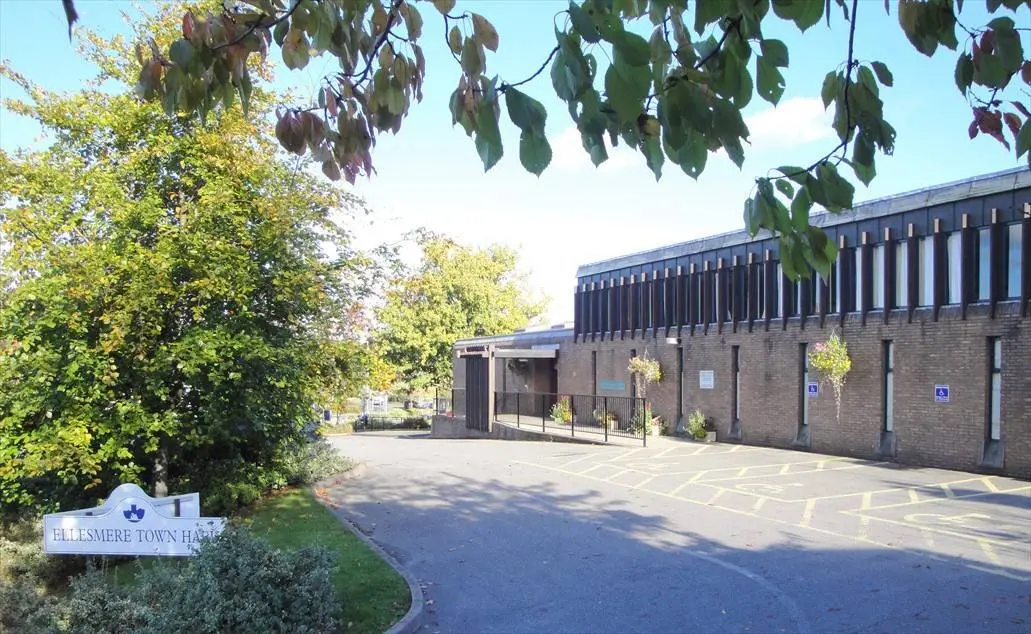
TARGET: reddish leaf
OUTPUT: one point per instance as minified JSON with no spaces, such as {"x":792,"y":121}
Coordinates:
{"x":188,"y":25}
{"x":1019,"y":106}
{"x":972,"y":130}
{"x":1025,"y":73}
{"x":1013,"y":123}
{"x":988,"y":41}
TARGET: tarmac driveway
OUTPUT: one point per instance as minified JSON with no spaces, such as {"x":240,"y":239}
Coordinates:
{"x":683,"y":537}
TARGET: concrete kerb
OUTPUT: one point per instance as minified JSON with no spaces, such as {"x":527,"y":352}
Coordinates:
{"x":413,"y":620}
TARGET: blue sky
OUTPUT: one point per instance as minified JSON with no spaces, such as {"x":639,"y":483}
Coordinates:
{"x":430,"y":175}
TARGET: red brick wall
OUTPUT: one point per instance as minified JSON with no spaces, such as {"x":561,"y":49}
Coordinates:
{"x":950,"y":351}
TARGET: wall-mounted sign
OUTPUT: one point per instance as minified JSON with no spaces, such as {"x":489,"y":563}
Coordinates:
{"x":812,"y":388}
{"x":941,"y":393}
{"x":706,"y":380}
{"x":131,"y":522}
{"x":609,"y":385}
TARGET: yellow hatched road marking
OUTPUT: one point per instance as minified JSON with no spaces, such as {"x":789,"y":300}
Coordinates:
{"x":949,"y":493}
{"x":616,"y":475}
{"x":993,"y":571}
{"x":913,"y":498}
{"x":644,"y":482}
{"x":989,"y":551}
{"x":759,"y":502}
{"x":580,"y":459}
{"x":684,"y":485}
{"x":743,"y":471}
{"x":940,"y":531}
{"x":785,"y":469}
{"x":928,"y":537}
{"x":807,"y":513}
{"x":589,"y":469}
{"x":916,"y":499}
{"x":867,"y":499}
{"x":716,"y":497}
{"x":626,"y":455}
{"x":864,"y":527}
{"x":990,"y":485}
{"x":663,"y":452}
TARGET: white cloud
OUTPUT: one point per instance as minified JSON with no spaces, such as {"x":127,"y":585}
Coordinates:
{"x":568,"y":154}
{"x":794,"y":122}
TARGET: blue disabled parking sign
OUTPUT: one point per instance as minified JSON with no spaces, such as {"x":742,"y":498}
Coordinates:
{"x":813,"y":388}
{"x":941,"y":393}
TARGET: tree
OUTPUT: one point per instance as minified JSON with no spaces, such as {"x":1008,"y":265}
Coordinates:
{"x":169,"y":288}
{"x":456,"y":292}
{"x":675,"y":96}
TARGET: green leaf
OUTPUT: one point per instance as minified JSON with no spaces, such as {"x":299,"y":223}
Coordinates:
{"x":534,"y":152}
{"x":992,"y":72}
{"x":770,"y":81}
{"x":632,"y":48}
{"x":1009,"y":48}
{"x":775,"y":52}
{"x":804,"y":13}
{"x":472,"y":57}
{"x":583,"y":24}
{"x":751,"y":216}
{"x":626,"y":87}
{"x":279,"y":33}
{"x":837,"y":191}
{"x":800,"y":207}
{"x":181,"y":52}
{"x":1024,"y":139}
{"x":709,"y":11}
{"x":883,"y":74}
{"x":652,"y":150}
{"x":863,"y":158}
{"x":964,"y":72}
{"x":795,"y":173}
{"x":729,"y":128}
{"x":488,"y":136}
{"x":525,"y":111}
{"x":831,"y":83}
{"x":785,"y":187}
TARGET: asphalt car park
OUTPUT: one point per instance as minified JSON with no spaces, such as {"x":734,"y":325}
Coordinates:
{"x":982,"y":519}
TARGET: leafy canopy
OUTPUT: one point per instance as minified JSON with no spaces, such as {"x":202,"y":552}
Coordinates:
{"x":166,"y":294}
{"x":455,"y":293}
{"x":674,"y":96}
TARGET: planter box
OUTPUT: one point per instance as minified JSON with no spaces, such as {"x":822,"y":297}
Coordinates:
{"x":710,"y":436}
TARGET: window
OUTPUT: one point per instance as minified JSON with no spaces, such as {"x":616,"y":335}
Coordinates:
{"x":901,"y":275}
{"x":984,"y":264}
{"x":837,"y":285}
{"x":760,"y":283}
{"x":925,"y":271}
{"x":955,"y":261}
{"x":804,"y":372}
{"x":877,"y":271}
{"x":780,"y":296}
{"x":995,"y":388}
{"x":736,"y":369}
{"x":889,"y":386}
{"x":1014,"y":261}
{"x":858,"y":268}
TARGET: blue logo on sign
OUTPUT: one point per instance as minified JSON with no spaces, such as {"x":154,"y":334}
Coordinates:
{"x":813,"y":388}
{"x":941,"y":393}
{"x":134,"y":514}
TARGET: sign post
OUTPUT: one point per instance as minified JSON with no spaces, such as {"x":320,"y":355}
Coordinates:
{"x":131,"y":522}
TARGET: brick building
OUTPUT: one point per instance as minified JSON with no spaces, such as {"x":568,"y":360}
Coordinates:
{"x":931,"y":291}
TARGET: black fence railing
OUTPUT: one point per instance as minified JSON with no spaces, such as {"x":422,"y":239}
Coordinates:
{"x":371,"y":422}
{"x":605,"y":416}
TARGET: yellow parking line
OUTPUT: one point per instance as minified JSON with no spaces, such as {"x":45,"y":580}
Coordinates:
{"x":589,"y":469}
{"x":735,"y":448}
{"x":742,"y":471}
{"x":821,"y":465}
{"x":699,"y":450}
{"x":580,"y":459}
{"x":618,"y":473}
{"x":990,"y":485}
{"x":940,"y":531}
{"x":715,"y":497}
{"x":864,"y":527}
{"x":758,"y":504}
{"x":644,"y":482}
{"x":949,"y":493}
{"x":692,"y":480}
{"x":928,"y":537}
{"x":769,"y":475}
{"x":867,"y":498}
{"x":916,"y":499}
{"x":1000,"y":572}
{"x":626,"y":455}
{"x":989,"y":551}
{"x":785,"y":469}
{"x":807,"y":513}
{"x":664,"y":452}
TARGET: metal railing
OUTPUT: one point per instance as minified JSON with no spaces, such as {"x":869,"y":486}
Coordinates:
{"x":450,"y":402}
{"x":600,"y":416}
{"x":374,"y":422}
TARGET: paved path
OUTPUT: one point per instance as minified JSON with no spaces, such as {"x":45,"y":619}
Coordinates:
{"x":682,"y":537}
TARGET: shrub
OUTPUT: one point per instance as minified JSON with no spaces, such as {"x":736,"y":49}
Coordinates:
{"x":561,"y":412}
{"x":239,"y":583}
{"x":314,"y":461}
{"x":25,"y":608}
{"x":698,"y":424}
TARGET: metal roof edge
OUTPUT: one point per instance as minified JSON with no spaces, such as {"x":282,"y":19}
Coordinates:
{"x":516,"y":337}
{"x":982,"y":185}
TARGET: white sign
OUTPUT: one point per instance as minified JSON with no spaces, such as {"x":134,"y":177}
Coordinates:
{"x":941,"y":393}
{"x":131,"y":522}
{"x":813,"y":389}
{"x":706,"y":380}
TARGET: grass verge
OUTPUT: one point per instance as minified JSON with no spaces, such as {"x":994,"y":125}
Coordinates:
{"x":374,"y":596}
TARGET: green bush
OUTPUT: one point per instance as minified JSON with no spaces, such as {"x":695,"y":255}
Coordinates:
{"x":236,"y":583}
{"x":314,"y":461}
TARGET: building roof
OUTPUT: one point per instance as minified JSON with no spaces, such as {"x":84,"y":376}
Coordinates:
{"x":1006,"y":180}
{"x":522,"y":338}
